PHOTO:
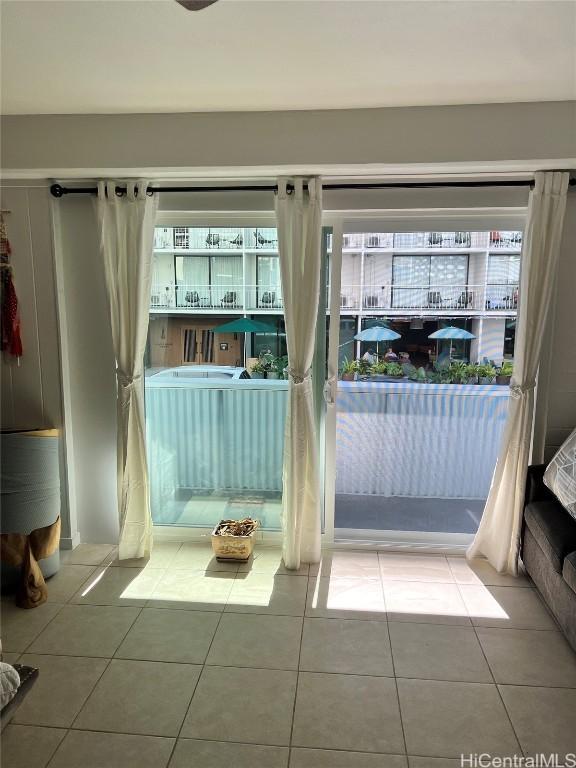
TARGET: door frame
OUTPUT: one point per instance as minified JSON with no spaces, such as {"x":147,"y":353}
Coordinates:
{"x":405,"y":220}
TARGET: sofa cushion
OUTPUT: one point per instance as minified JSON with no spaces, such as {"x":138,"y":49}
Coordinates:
{"x":554,"y":530}
{"x":569,"y":570}
{"x":560,"y":475}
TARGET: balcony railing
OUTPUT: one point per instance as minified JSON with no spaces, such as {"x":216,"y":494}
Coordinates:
{"x":234,"y":297}
{"x":411,"y":241}
{"x":393,"y":439}
{"x":266,"y":238}
{"x":511,"y":241}
{"x":430,"y":297}
{"x":215,"y":238}
{"x":197,"y":297}
{"x":224,"y":297}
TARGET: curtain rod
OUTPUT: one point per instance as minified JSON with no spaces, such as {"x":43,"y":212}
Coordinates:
{"x":59,"y":191}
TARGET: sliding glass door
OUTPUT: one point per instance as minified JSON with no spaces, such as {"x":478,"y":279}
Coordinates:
{"x":414,"y":408}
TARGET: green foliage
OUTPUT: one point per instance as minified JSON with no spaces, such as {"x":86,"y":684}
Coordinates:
{"x":415,"y":374}
{"x":378,"y":368}
{"x":486,"y":371}
{"x":393,"y":369}
{"x":459,"y":372}
{"x":364,"y":367}
{"x":349,"y":366}
{"x":506,"y":369}
{"x":258,"y":367}
{"x":279,"y":364}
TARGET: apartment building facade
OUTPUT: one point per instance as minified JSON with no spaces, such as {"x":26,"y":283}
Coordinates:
{"x":415,"y":281}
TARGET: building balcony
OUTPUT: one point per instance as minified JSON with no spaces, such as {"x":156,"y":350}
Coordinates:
{"x":215,"y":239}
{"x":229,"y":298}
{"x":408,"y":456}
{"x":426,"y":241}
{"x":430,"y":298}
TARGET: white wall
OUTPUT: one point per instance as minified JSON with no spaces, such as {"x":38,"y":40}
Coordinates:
{"x":31,"y":387}
{"x":31,"y":395}
{"x":88,"y":371}
{"x":481,"y":133}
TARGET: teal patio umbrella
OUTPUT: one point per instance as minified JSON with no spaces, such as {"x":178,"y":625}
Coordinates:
{"x":244,"y":325}
{"x":377,"y":333}
{"x":451,"y":332}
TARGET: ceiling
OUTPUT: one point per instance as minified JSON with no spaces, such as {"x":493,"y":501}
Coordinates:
{"x":122,"y":56}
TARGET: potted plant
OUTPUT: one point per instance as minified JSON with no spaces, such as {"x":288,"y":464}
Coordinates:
{"x":234,"y":539}
{"x":364,"y":367}
{"x":458,"y":371}
{"x":349,"y":369}
{"x":258,"y":371}
{"x":262,"y":368}
{"x":441,"y":374}
{"x":278,"y":368}
{"x":378,"y":371}
{"x":416,"y":375}
{"x":472,"y":374}
{"x":486,"y":373}
{"x":504,"y":373}
{"x":394,"y":370}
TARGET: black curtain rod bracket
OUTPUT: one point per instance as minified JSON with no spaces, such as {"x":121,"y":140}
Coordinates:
{"x":57,"y":190}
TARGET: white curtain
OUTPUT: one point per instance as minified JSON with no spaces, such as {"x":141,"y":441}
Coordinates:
{"x":499,"y":531}
{"x":299,"y":218}
{"x":126,"y":243}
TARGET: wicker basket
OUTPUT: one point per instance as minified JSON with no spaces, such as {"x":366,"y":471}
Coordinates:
{"x":229,"y":547}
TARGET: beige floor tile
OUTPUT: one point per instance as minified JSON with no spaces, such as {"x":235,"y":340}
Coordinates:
{"x":184,"y":589}
{"x":345,"y":564}
{"x":169,"y":635}
{"x":85,"y":630}
{"x":543,"y":718}
{"x":511,"y":607}
{"x":420,"y":601}
{"x":119,"y":586}
{"x":529,"y":657}
{"x":84,"y":749}
{"x":269,"y":560}
{"x":268,"y":593}
{"x":63,"y":685}
{"x":397,"y":567}
{"x":434,"y":762}
{"x":220,"y":754}
{"x":64,"y":584}
{"x":20,"y":626}
{"x":9,"y":657}
{"x":345,"y":598}
{"x":246,"y":705}
{"x":479,"y":571}
{"x":162,"y":556}
{"x":326,"y":758}
{"x":447,"y":719}
{"x":348,"y":712}
{"x":350,"y":647}
{"x":86,"y":554}
{"x":142,"y":697}
{"x":438,"y":652}
{"x":200,"y":557}
{"x":29,"y":746}
{"x":268,"y":642}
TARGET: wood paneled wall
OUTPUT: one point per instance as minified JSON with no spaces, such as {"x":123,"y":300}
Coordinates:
{"x":31,"y":387}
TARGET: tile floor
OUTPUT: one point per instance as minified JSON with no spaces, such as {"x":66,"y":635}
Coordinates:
{"x":369,"y":660}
